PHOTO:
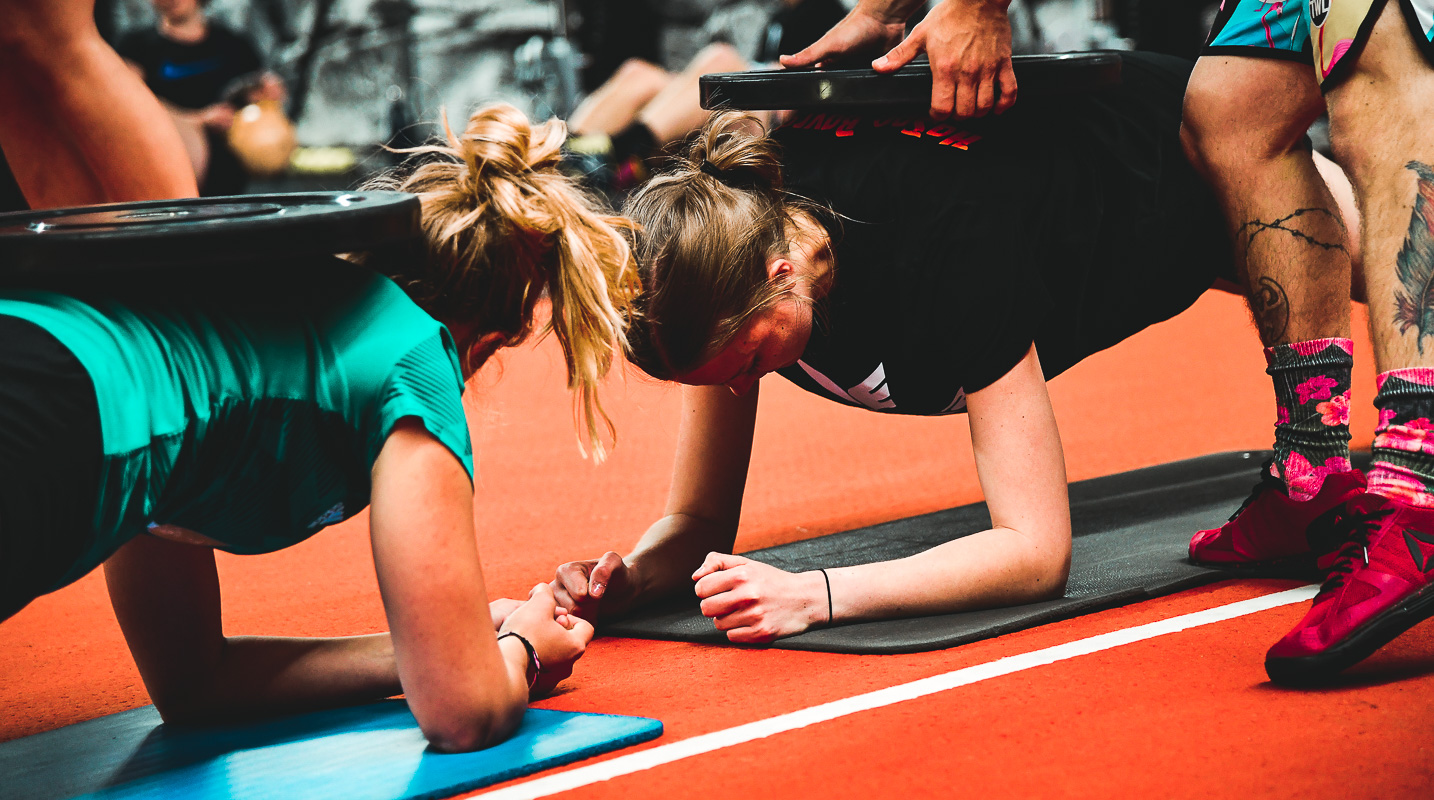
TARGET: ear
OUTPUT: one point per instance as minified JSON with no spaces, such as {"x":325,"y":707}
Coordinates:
{"x":780,"y":267}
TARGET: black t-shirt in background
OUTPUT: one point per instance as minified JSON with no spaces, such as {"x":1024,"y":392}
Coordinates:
{"x":193,"y":75}
{"x":1072,"y":223}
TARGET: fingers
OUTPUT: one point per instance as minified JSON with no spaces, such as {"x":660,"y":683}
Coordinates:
{"x":812,"y":54}
{"x":750,"y":636}
{"x":720,"y":583}
{"x":500,"y":610}
{"x":602,"y":573}
{"x":1006,"y":80}
{"x":582,"y":629}
{"x":570,"y":585}
{"x":541,"y":595}
{"x":943,"y":94}
{"x":564,"y":598}
{"x":969,"y":84}
{"x":900,"y":55}
{"x":716,"y":562}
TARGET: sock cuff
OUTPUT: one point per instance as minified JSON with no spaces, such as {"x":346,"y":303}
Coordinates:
{"x":1333,"y":351}
{"x":1418,"y":376}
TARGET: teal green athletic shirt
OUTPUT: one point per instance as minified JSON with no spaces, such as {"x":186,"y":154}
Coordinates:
{"x":253,"y":417}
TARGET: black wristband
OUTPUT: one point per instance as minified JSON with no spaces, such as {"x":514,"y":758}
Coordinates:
{"x":828,"y":580}
{"x":533,"y":661}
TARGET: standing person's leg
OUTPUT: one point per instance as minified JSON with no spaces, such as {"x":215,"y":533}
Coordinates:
{"x":1382,"y":130}
{"x":76,"y":125}
{"x":1244,"y":129}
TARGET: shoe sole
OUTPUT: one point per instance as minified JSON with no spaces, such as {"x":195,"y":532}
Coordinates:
{"x":1379,"y":631}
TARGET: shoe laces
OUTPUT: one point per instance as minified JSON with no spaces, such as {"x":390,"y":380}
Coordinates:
{"x":1353,"y":528}
{"x":1268,"y":483}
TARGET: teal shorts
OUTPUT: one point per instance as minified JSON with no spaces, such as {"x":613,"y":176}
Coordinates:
{"x":1317,"y":32}
{"x":1261,"y":29}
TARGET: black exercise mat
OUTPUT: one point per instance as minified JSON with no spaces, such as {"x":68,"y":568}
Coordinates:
{"x":1131,"y":537}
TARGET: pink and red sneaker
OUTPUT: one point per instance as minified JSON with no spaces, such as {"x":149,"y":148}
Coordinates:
{"x":1381,"y":583}
{"x":1271,"y":532}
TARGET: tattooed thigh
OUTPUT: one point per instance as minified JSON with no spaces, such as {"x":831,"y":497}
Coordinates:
{"x":1414,"y":266}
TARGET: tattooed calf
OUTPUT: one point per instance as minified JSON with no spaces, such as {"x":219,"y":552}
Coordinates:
{"x":1414,"y":297}
{"x":1255,"y":227}
{"x":1269,"y":303}
{"x":1271,"y":308}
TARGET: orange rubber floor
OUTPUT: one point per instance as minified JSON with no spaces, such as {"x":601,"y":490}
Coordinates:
{"x":1188,"y":714}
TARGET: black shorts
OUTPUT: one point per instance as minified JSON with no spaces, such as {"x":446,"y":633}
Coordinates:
{"x":51,"y":453}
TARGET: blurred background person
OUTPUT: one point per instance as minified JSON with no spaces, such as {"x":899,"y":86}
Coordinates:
{"x":204,"y":73}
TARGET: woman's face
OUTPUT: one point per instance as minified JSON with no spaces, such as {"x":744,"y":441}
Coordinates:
{"x":772,"y":338}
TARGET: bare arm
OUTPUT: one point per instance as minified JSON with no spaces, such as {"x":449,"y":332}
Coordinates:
{"x":76,"y":125}
{"x":704,"y":505}
{"x":466,"y":689}
{"x":194,"y":673}
{"x":1023,"y":558}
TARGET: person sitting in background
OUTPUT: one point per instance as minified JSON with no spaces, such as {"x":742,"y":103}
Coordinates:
{"x":642,"y":108}
{"x":202,"y":71}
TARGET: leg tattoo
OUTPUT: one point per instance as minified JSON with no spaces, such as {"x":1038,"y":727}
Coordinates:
{"x":1256,"y":227}
{"x":1414,"y":298}
{"x":1268,"y":300}
{"x":1271,"y":307}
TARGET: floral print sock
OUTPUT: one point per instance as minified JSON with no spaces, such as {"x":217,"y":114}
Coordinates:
{"x":1312,"y":424}
{"x":1403,"y":448}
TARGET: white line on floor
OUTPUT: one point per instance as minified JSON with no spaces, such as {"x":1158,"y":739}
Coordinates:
{"x":706,"y":743}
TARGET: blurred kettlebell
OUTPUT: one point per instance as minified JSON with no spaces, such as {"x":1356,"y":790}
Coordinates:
{"x":263,"y":138}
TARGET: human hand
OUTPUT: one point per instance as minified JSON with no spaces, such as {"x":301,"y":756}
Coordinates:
{"x":500,"y":609}
{"x":860,"y":31}
{"x":219,"y":116}
{"x":268,"y":87}
{"x":969,"y":44}
{"x":754,"y":602}
{"x":584,"y":586}
{"x":559,"y":638}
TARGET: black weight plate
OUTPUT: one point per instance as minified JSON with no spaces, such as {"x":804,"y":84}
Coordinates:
{"x":771,"y":89}
{"x":196,"y":232}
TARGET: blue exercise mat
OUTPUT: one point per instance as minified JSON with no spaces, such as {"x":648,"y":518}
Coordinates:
{"x":372,"y":751}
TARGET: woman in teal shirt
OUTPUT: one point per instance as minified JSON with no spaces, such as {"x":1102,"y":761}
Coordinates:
{"x":143,"y":431}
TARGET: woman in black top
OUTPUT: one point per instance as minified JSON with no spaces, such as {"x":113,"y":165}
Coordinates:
{"x":909,"y":267}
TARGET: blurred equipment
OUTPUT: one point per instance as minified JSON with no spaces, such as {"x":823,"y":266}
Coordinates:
{"x":263,"y":138}
{"x":124,"y":238}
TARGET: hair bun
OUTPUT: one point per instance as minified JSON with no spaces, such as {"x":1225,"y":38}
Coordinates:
{"x":745,"y":180}
{"x":736,"y":151}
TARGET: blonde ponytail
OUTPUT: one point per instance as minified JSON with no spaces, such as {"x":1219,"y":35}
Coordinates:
{"x":502,"y":226}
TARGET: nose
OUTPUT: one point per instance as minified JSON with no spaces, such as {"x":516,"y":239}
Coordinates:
{"x":742,"y":385}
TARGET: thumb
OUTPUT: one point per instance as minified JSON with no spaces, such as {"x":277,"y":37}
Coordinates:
{"x":900,"y":55}
{"x":716,"y":562}
{"x":602,"y":573}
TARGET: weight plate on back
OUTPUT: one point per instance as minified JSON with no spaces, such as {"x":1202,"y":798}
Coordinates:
{"x":774,"y":89}
{"x":200,"y":232}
